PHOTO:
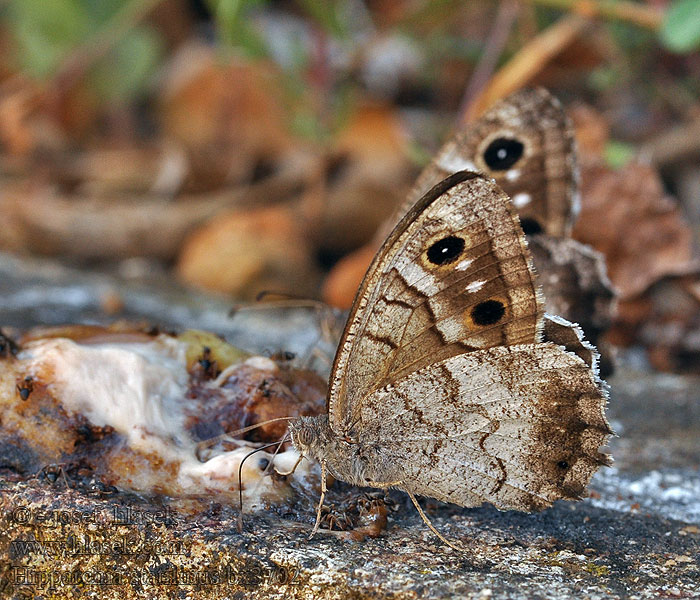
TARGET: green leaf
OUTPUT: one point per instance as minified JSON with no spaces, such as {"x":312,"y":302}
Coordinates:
{"x":327,"y":14}
{"x":100,"y":12}
{"x":45,"y":32}
{"x":618,"y":154}
{"x":680,"y":31}
{"x":126,"y":71}
{"x":234,"y":26}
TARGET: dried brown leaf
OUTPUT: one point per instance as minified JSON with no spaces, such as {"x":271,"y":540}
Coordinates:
{"x":641,"y":231}
{"x":245,"y":252}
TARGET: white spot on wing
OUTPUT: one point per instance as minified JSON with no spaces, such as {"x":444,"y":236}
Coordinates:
{"x":418,"y":278}
{"x":521,"y":199}
{"x":513,"y":174}
{"x":452,"y":329}
{"x":464,"y":265}
{"x":475,"y":286}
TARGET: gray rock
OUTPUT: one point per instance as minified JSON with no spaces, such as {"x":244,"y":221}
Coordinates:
{"x":638,"y":536}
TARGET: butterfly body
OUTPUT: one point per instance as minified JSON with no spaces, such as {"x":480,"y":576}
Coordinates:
{"x":356,"y":460}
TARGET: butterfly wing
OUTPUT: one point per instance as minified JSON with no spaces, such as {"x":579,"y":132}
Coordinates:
{"x":526,"y":143}
{"x":453,"y":277}
{"x":516,"y":426}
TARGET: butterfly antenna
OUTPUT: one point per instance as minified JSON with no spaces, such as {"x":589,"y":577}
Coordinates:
{"x":280,"y":296}
{"x":286,"y":438}
{"x":204,"y":444}
{"x":271,"y":299}
{"x":240,"y":482}
{"x":432,"y":528}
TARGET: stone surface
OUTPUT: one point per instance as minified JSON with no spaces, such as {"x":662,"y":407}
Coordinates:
{"x":638,"y":536}
{"x":39,"y":292}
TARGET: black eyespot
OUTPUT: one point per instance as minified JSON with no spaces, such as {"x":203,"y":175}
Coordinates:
{"x":488,"y":312}
{"x":563,"y":465}
{"x":503,"y":153}
{"x":445,"y":250}
{"x":530,"y":226}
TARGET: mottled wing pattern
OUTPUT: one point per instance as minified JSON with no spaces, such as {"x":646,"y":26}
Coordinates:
{"x":453,"y":277}
{"x":516,"y":426}
{"x":526,"y":143}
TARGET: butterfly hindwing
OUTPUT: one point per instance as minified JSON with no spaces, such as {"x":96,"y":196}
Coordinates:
{"x":516,"y":426}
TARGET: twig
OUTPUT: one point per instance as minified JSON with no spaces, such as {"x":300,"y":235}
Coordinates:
{"x":620,"y":10}
{"x":150,"y":225}
{"x":527,"y":63}
{"x":505,"y":18}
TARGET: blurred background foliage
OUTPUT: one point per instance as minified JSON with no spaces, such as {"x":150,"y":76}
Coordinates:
{"x":249,"y":145}
{"x":46,"y":35}
{"x":122,"y":43}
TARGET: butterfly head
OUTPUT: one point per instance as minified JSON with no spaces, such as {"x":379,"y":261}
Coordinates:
{"x":310,"y":435}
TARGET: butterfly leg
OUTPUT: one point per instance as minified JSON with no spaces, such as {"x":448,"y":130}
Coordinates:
{"x":320,"y":502}
{"x":294,"y":468}
{"x":383,"y":485}
{"x":459,"y":548}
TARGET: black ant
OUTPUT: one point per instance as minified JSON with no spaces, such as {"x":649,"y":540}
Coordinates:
{"x":25,"y":387}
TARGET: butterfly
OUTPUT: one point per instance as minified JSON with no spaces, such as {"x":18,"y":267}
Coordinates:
{"x":449,"y":380}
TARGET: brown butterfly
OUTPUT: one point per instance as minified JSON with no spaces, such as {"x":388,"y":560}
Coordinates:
{"x":526,"y":143}
{"x":442,"y":384}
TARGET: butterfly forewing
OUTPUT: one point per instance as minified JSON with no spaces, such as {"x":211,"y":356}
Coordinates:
{"x":453,"y":277}
{"x":526,"y":143}
{"x":515,"y":426}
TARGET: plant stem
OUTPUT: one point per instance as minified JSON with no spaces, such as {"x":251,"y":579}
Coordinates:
{"x":622,"y":10}
{"x":498,"y":37}
{"x":527,"y":63}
